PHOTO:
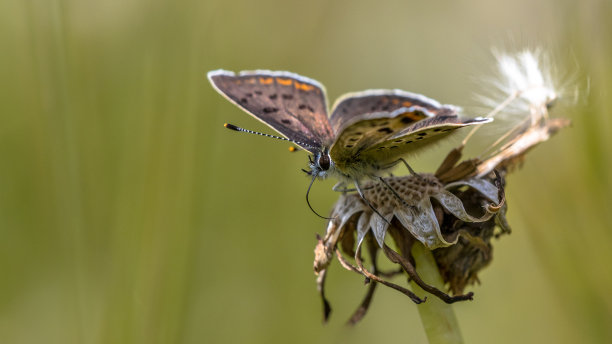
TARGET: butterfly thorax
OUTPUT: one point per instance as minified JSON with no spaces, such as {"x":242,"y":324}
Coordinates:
{"x":323,"y":166}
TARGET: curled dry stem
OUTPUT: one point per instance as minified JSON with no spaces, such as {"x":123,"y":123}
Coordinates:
{"x":411,"y":271}
{"x":361,"y":311}
{"x":363,"y":271}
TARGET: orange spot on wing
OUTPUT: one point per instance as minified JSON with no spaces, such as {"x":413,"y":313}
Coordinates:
{"x":266,"y":81}
{"x":250,"y":81}
{"x":395,"y":101}
{"x":406,"y":104}
{"x":303,"y":87}
{"x":413,"y":116}
{"x":284,"y":82}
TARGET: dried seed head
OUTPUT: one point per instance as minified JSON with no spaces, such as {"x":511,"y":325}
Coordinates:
{"x":526,"y":92}
{"x":524,"y":82}
{"x":415,"y":207}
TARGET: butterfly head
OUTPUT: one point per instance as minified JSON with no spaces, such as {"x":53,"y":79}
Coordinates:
{"x":320,"y":164}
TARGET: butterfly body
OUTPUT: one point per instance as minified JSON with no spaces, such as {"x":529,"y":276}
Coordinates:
{"x":366,"y":134}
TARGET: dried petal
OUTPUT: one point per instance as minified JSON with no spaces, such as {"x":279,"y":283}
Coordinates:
{"x":347,"y":209}
{"x":421,"y":222}
{"x":379,"y":227}
{"x":363,"y":225}
{"x":454,"y":205}
{"x":486,"y":188}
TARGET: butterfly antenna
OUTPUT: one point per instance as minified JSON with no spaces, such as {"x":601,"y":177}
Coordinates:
{"x":314,"y":176}
{"x":236,"y":128}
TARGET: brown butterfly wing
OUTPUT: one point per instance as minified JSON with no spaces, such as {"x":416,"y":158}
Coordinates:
{"x":353,"y":105}
{"x":364,"y":131}
{"x":293,"y":105}
{"x":416,"y":136}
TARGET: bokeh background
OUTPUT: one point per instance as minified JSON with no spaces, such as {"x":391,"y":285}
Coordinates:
{"x":129,"y":215}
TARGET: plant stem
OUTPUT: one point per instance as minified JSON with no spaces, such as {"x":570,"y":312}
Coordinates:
{"x":438,"y":317}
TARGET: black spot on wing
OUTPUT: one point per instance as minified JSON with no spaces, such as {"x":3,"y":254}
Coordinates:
{"x":269,"y":109}
{"x":385,"y":130}
{"x":273,"y":96}
{"x":286,"y":121}
{"x":305,"y":106}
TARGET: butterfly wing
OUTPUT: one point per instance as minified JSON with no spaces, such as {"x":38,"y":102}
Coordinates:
{"x":352,"y":105}
{"x":380,"y":126}
{"x":364,"y":131}
{"x":416,"y":136}
{"x":364,"y":119}
{"x":293,"y":105}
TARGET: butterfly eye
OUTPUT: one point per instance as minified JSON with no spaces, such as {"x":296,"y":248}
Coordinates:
{"x":324,"y":162}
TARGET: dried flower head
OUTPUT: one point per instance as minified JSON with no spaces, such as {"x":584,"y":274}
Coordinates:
{"x":454,"y":212}
{"x":414,"y":207}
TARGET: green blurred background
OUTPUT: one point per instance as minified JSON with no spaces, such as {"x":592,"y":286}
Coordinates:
{"x":129,"y":215}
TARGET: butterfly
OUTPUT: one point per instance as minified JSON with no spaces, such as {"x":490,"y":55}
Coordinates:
{"x":366,"y":135}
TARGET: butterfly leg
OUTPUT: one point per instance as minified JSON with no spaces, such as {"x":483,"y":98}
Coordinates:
{"x":360,"y":191}
{"x":408,"y":167}
{"x":341,"y":187}
{"x":412,"y":172}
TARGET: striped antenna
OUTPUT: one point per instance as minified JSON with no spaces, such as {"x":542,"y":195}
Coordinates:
{"x":236,"y":128}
